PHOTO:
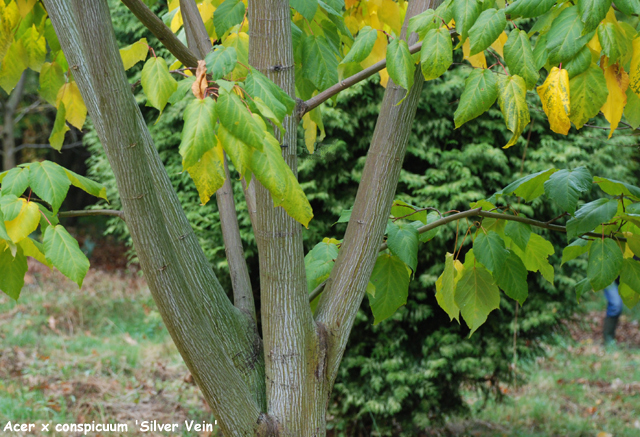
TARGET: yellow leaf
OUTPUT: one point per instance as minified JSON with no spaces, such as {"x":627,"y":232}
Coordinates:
{"x":176,"y":22}
{"x":310,"y":132}
{"x":206,"y":10}
{"x":384,"y":77}
{"x":554,"y":94}
{"x":594,"y":45}
{"x":69,"y":94}
{"x":498,"y":45}
{"x":25,"y":223}
{"x":25,"y":6}
{"x":9,"y":19}
{"x":617,"y":84}
{"x":634,"y":70}
{"x":350,"y":3}
{"x":29,"y":248}
{"x":134,"y":53}
{"x":240,"y":42}
{"x":478,"y":60}
{"x":208,"y":174}
{"x":35,"y":47}
{"x":378,"y":53}
{"x":389,"y":13}
{"x":14,"y":63}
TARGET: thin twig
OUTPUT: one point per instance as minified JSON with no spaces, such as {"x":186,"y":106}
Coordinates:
{"x":93,"y":212}
{"x":315,"y":101}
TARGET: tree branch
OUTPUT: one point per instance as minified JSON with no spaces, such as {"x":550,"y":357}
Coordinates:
{"x":349,"y":278}
{"x":479,"y":212}
{"x":218,"y":343}
{"x":162,"y":32}
{"x":316,"y":100}
{"x":199,"y":42}
{"x":92,"y":212}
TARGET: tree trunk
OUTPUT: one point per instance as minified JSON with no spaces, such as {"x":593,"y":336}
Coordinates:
{"x":217,"y":341}
{"x":9,"y":142}
{"x":294,"y":351}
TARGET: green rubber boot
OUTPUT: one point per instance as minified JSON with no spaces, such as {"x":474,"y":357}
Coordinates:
{"x":609,"y":331}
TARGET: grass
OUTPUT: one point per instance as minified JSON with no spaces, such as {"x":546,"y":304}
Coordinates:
{"x":102,"y":354}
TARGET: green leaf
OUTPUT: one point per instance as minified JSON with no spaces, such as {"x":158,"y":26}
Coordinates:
{"x":436,"y":53}
{"x":10,"y":206}
{"x":529,"y":8}
{"x":476,"y":295}
{"x":566,"y":186}
{"x":628,"y":7}
{"x":227,"y":15}
{"x":540,"y":52}
{"x":134,"y":53}
{"x":400,"y":209}
{"x":513,"y":104}
{"x":489,"y":250}
{"x":429,"y":235}
{"x":519,"y":57}
{"x":579,"y":63}
{"x":16,"y":181}
{"x":391,"y":277}
{"x":51,"y":80}
{"x":632,"y":109}
{"x":575,"y":249}
{"x":402,"y":240}
{"x":629,"y":297}
{"x":319,"y":262}
{"x":198,"y":135}
{"x":13,"y":270}
{"x":362,"y":46}
{"x":614,"y":41}
{"x":566,"y":36}
{"x":319,"y":62}
{"x":591,"y":215}
{"x":582,"y":287}
{"x":157,"y":83}
{"x":588,"y":94}
{"x":49,"y":181}
{"x":3,"y":230}
{"x":630,"y":276}
{"x":275,"y":175}
{"x":535,"y":256}
{"x":400,"y":64}
{"x":592,"y":12}
{"x":445,"y":289}
{"x":60,"y":128}
{"x":240,"y":42}
{"x":184,"y":86}
{"x":486,"y":30}
{"x":529,"y":187}
{"x":221,"y":61}
{"x":617,"y":188}
{"x":605,"y":262}
{"x":465,"y":12}
{"x":62,"y":250}
{"x":307,"y":8}
{"x":261,"y":87}
{"x":87,"y":185}
{"x":519,"y":233}
{"x":480,"y":93}
{"x":423,"y":23}
{"x":512,"y":278}
{"x":235,"y":117}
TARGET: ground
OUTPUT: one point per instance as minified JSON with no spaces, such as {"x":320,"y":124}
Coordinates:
{"x":102,"y":354}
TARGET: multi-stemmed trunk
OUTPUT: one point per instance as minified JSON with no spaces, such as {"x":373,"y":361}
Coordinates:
{"x":280,"y":384}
